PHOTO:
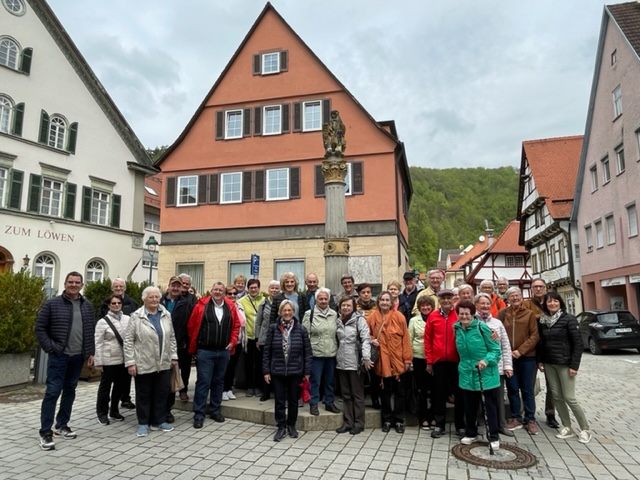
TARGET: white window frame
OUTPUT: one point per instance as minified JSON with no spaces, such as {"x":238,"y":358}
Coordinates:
{"x":348,"y":180}
{"x":638,"y":142}
{"x":6,"y":112}
{"x":265,"y":120}
{"x":599,"y":233}
{"x":100,"y":207}
{"x":542,"y":256}
{"x":620,"y":160}
{"x":270,"y":174}
{"x":151,"y":226}
{"x":57,"y":132}
{"x":263,"y":63}
{"x":295,"y":265}
{"x":4,"y":185}
{"x":15,"y":7}
{"x":9,"y":53}
{"x":44,"y":266}
{"x":617,"y":101}
{"x":606,"y":170}
{"x":534,"y":263}
{"x":227,"y":181}
{"x":305,"y":126}
{"x":227,"y":116}
{"x":588,"y":233}
{"x":632,"y":220}
{"x":594,"y":178}
{"x":610,"y":223}
{"x":51,"y":197}
{"x":179,"y":197}
{"x":95,"y":271}
{"x":614,"y":57}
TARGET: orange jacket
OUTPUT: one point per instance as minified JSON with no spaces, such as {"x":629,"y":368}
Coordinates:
{"x":395,"y":345}
{"x":497,"y":304}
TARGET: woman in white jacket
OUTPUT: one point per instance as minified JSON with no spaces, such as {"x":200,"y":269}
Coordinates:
{"x":109,"y":335}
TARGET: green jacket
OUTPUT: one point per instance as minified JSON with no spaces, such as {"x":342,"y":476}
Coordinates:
{"x":250,"y":307}
{"x":322,"y":332}
{"x":474,"y":344}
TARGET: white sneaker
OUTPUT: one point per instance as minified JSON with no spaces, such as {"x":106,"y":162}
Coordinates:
{"x":231,"y":395}
{"x":495,"y":445}
{"x":470,"y":440}
{"x":564,"y":432}
{"x":584,"y":436}
{"x":225,"y":396}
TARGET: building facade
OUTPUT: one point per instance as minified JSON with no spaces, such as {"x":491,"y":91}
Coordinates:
{"x":244,"y":177}
{"x":71,"y":169}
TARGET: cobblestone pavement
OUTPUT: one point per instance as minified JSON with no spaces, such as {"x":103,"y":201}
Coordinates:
{"x":608,"y":388}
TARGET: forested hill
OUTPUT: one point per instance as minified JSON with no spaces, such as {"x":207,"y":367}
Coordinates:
{"x":449,"y":208}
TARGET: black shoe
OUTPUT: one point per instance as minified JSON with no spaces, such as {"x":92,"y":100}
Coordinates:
{"x":46,"y":442}
{"x":170,"y":418}
{"x":461,"y":433}
{"x":103,"y":420}
{"x":313,"y":410}
{"x":399,"y":427}
{"x":552,"y":422}
{"x":437,"y":432}
{"x":293,"y":433}
{"x":280,"y":434}
{"x":375,"y":404}
{"x":356,"y":430}
{"x":332,"y":408}
{"x":343,"y":429}
{"x":506,"y":433}
{"x":116,"y":416}
{"x":198,"y":423}
{"x":251,"y":392}
{"x":386,"y":426}
{"x":128,"y":404}
{"x":264,"y":397}
{"x":217,"y":418}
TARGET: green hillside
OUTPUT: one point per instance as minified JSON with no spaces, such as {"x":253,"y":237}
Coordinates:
{"x":449,"y":208}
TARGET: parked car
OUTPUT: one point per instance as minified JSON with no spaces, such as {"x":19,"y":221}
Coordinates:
{"x":609,"y":330}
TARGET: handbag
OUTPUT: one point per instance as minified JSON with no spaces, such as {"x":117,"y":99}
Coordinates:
{"x":176,"y":378}
{"x":305,"y":390}
{"x":375,"y":350}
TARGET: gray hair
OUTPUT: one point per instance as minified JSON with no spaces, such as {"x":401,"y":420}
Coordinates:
{"x":435,"y":270}
{"x":272,"y":283}
{"x":487,"y":282}
{"x":512,"y":290}
{"x":149,"y":290}
{"x":503,"y":279}
{"x":184,"y":276}
{"x":119,"y":279}
{"x":465,"y":286}
{"x":283,"y":304}
{"x":322,"y":290}
{"x":481,"y":295}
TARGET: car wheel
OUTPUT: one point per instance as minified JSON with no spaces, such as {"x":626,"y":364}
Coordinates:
{"x":593,"y":347}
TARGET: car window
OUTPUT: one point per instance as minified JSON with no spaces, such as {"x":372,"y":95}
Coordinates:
{"x":614,"y":318}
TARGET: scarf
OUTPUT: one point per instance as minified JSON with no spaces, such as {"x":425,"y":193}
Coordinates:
{"x":484,"y":316}
{"x":550,"y":320}
{"x":285,"y":329}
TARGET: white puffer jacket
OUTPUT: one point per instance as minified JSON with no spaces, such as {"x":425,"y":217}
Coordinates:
{"x":108,"y":349}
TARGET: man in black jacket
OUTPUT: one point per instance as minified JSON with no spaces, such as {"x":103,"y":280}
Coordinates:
{"x":408,"y":296}
{"x":65,"y":330}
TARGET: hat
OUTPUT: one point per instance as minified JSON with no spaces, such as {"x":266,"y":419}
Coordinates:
{"x":408,"y":276}
{"x":175,"y":279}
{"x":444,"y":292}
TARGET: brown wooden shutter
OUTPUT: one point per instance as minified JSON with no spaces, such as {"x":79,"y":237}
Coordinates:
{"x":257,"y":121}
{"x":220,"y":125}
{"x":326,"y":111}
{"x":213,"y":188}
{"x":285,"y":118}
{"x":170,"y":200}
{"x":257,"y":65}
{"x":202,"y":189}
{"x":297,"y":117}
{"x":259,"y":185}
{"x":247,"y":186}
{"x":319,"y":181}
{"x":294,"y":182}
{"x":357,"y":179}
{"x":246,"y":120}
{"x":284,"y":61}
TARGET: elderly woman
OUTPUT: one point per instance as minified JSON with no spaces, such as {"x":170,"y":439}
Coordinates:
{"x":477,"y":372}
{"x":250,"y":304}
{"x":149,"y":352}
{"x":286,"y":359}
{"x":465,"y":292}
{"x":320,"y":323}
{"x":354,"y":354}
{"x":288,"y":291}
{"x":114,"y":382}
{"x":559,"y":354}
{"x":497,"y":304}
{"x":388,"y":330}
{"x":394,"y":287}
{"x":522,"y":327}
{"x":262,"y":328}
{"x":483,"y":305}
{"x":231,"y":293}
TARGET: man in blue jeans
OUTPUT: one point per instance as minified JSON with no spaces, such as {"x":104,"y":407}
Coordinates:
{"x":65,"y":330}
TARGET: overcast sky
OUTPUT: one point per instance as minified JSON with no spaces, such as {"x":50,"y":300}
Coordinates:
{"x":466,"y":81}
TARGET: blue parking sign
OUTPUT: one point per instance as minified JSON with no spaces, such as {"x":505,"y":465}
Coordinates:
{"x":255,"y":264}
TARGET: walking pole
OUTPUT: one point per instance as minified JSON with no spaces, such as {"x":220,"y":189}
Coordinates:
{"x":484,"y":410}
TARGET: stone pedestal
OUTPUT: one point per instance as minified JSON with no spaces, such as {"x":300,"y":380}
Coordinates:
{"x":336,"y":241}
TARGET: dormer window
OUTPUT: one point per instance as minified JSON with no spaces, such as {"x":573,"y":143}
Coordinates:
{"x":269,"y":63}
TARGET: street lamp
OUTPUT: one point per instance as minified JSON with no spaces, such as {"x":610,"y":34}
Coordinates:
{"x":25,"y":263}
{"x":151,"y":244}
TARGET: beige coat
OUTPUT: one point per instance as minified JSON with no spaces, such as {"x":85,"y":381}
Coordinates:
{"x":141,"y":345}
{"x":108,"y":349}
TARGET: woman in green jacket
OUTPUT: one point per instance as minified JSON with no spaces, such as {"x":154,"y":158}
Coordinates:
{"x":479,"y":355}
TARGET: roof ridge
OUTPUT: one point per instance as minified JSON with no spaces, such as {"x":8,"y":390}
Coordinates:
{"x":553,"y":139}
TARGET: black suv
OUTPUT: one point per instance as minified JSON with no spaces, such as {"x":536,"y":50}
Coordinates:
{"x":609,"y":330}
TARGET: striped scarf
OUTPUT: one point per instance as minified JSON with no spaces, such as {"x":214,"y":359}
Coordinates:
{"x":285,"y":329}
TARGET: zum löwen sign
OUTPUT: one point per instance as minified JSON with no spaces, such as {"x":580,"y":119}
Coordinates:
{"x":40,"y":233}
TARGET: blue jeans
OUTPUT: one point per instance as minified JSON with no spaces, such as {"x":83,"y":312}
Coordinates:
{"x":523,"y":380}
{"x":322,"y":368}
{"x":63,"y":372}
{"x":210,"y":368}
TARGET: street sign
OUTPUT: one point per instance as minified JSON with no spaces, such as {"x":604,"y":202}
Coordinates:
{"x":255,"y":264}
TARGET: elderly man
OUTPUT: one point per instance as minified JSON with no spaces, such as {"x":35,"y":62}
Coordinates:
{"x":435,"y":277}
{"x":65,"y":330}
{"x":503,"y":285}
{"x":408,"y":296}
{"x":497,"y":304}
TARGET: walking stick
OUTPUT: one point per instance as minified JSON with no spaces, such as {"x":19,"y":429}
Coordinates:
{"x":484,"y":410}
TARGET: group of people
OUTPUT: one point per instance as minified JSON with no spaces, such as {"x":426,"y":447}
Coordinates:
{"x":411,"y":348}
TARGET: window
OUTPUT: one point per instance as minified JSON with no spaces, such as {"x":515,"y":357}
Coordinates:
{"x":51,"y":199}
{"x":6,"y":106}
{"x":312,"y":116}
{"x":562,"y":252}
{"x":617,"y":102}
{"x":270,"y":63}
{"x":552,"y":256}
{"x":611,"y":230}
{"x":231,"y":189}
{"x":638,"y":142}
{"x":44,"y":266}
{"x":196,"y":272}
{"x":9,"y":53}
{"x":542,"y":256}
{"x":151,"y":226}
{"x":534,"y":263}
{"x":348,"y":183}
{"x":588,"y":232}
{"x":599,"y":234}
{"x":295,"y":266}
{"x":614,"y":57}
{"x":148,"y":259}
{"x":632,"y":218}
{"x":233,"y":127}
{"x":16,"y":7}
{"x":95,"y":271}
{"x":539,"y":216}
{"x":187,"y":190}
{"x":100,"y":207}
{"x":606,"y":172}
{"x":239,"y":268}
{"x":272,"y":120}
{"x":4,"y":174}
{"x":57,"y":131}
{"x":514,"y":261}
{"x":278,"y":184}
{"x":594,"y":178}
{"x":576,"y":251}
{"x":620,"y":159}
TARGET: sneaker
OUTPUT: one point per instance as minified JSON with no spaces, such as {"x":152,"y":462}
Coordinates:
{"x":313,"y":410}
{"x":495,"y":445}
{"x":584,"y":436}
{"x":250,"y":393}
{"x":170,"y":418}
{"x":128,"y":404}
{"x":386,"y":426}
{"x":425,"y":425}
{"x":103,"y":420}
{"x":142,"y":431}
{"x":552,"y":422}
{"x":332,"y":408}
{"x":514,"y":424}
{"x":184,"y":397}
{"x":165,"y":427}
{"x":506,"y":432}
{"x":564,"y":432}
{"x":225,"y":396}
{"x":437,"y":432}
{"x":532,"y":427}
{"x":116,"y":416}
{"x":470,"y":440}
{"x":65,"y":432}
{"x":231,"y":395}
{"x":293,"y":433}
{"x":46,"y":442}
{"x":399,"y":427}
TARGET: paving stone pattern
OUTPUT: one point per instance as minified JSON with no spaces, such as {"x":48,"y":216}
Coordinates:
{"x":608,"y":387}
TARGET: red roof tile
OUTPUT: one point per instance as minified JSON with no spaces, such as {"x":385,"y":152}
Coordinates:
{"x":507,"y":242}
{"x":627,"y":16}
{"x":478,"y":249}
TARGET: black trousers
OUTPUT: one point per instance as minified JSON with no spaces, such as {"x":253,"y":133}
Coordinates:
{"x":113,"y":382}
{"x":374,"y":386}
{"x":471,"y":404}
{"x":152,"y":390}
{"x":286,"y":391}
{"x":393,"y":388}
{"x":445,"y":383}
{"x":230,"y":374}
{"x":126,"y":390}
{"x":352,"y":388}
{"x":422,"y":382}
{"x":184,"y":364}
{"x":253,"y":366}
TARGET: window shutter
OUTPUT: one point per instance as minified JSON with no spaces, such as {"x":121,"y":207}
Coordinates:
{"x":285,"y":118}
{"x":284,"y":61}
{"x":35,"y":185}
{"x":326,"y":111}
{"x":357,"y":180}
{"x":18,"y":117}
{"x":86,"y":204}
{"x":246,"y":119}
{"x":297,"y":117}
{"x":202,"y":189}
{"x":170,"y":200}
{"x":257,"y":121}
{"x":70,"y":201}
{"x":25,"y":60}
{"x":257,"y":65}
{"x":213,"y":188}
{"x":219,"y":125}
{"x":73,"y":136}
{"x":319,"y":180}
{"x":44,"y":127}
{"x":259,"y":182}
{"x":247,"y":186}
{"x":294,"y":182}
{"x":116,"y":200}
{"x":15,"y":189}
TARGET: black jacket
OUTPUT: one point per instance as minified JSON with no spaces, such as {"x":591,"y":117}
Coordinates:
{"x":277,"y":300}
{"x":299,"y":359}
{"x":129,"y":306}
{"x":53,"y":325}
{"x":406,"y":303}
{"x":180,"y":316}
{"x":561,"y":344}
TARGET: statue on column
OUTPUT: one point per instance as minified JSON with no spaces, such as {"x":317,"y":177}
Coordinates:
{"x":333,"y":136}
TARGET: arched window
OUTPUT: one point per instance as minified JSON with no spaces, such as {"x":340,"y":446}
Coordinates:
{"x":57,"y":131}
{"x":44,"y":266}
{"x":16,"y":7}
{"x":6,"y":106}
{"x":95,"y":271}
{"x":9,"y":53}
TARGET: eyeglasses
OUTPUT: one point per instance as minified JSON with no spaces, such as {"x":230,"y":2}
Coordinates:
{"x":232,"y":294}
{"x":539,"y":286}
{"x":115,"y":303}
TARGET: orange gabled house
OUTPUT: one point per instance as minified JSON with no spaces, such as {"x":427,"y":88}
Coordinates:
{"x":244,"y":175}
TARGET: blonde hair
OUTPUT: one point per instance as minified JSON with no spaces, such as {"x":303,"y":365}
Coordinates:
{"x":287,"y":275}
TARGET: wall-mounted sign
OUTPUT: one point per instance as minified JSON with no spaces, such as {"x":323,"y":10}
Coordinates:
{"x":40,"y":233}
{"x":612,"y":282}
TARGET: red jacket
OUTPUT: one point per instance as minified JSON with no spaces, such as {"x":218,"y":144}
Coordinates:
{"x":440,"y":338}
{"x":195,"y":320}
{"x":497,"y":304}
